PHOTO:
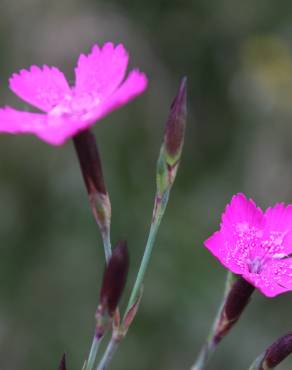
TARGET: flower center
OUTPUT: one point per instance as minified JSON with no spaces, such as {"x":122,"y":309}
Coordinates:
{"x":75,"y":106}
{"x":255,"y":265}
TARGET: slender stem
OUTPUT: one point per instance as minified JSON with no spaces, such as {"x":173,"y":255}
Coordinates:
{"x":158,"y":212}
{"x":209,"y":347}
{"x":159,"y":208}
{"x":257,"y":364}
{"x":93,"y":352}
{"x":108,"y":354}
{"x":97,"y":340}
{"x":105,"y":234}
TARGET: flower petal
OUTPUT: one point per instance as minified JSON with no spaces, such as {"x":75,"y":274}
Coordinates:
{"x":241,"y":210}
{"x":221,"y":250}
{"x":102,"y":71}
{"x":278,"y":228}
{"x":53,"y":131}
{"x":239,"y":236}
{"x":279,"y":217}
{"x":134,"y":85}
{"x":274,"y":279}
{"x":17,"y":122}
{"x":42,"y":87}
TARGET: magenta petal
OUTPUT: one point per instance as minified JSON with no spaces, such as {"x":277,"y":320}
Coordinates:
{"x":102,"y":71}
{"x":41,"y":87}
{"x":241,"y":229}
{"x":274,"y":279}
{"x":18,"y":122}
{"x":256,"y":245}
{"x":279,"y":217}
{"x":222,"y":250}
{"x":99,"y":90}
{"x":134,"y":85}
{"x":279,"y":227}
{"x":241,"y":210}
{"x":282,"y":273}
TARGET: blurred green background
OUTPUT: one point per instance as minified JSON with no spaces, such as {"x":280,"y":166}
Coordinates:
{"x":238,"y":59}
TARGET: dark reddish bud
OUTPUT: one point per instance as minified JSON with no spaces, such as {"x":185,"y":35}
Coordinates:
{"x":90,"y":163}
{"x":278,"y":351}
{"x":175,"y":125}
{"x":114,"y":279}
{"x":62,"y":365}
{"x":237,"y":299}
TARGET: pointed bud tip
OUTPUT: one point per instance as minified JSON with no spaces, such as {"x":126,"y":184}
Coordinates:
{"x":114,"y":279}
{"x":175,"y":126}
{"x":62,"y":365}
{"x":183,"y":86}
{"x":179,"y":101}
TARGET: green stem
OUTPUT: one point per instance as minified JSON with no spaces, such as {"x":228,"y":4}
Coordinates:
{"x":105,"y":234}
{"x":159,"y":209}
{"x":158,"y":212}
{"x":108,"y":354}
{"x":93,"y":352}
{"x":205,"y":354}
{"x":210,"y":346}
{"x":258,"y":363}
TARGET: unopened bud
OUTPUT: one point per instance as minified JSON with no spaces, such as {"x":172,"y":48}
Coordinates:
{"x":90,"y":164}
{"x":171,"y":149}
{"x":62,"y":365}
{"x":114,"y":279}
{"x":278,"y":351}
{"x":175,"y":125}
{"x":235,"y":302}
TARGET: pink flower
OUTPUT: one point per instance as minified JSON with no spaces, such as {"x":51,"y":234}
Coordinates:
{"x":99,"y":88}
{"x":255,"y":244}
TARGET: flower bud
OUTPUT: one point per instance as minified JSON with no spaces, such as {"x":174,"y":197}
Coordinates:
{"x":90,"y":163}
{"x":175,"y":125}
{"x":62,"y":365}
{"x":278,"y":351}
{"x":114,"y":279}
{"x":235,"y":302}
{"x":171,"y":149}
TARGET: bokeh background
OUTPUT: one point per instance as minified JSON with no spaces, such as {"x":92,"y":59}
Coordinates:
{"x":237,"y":56}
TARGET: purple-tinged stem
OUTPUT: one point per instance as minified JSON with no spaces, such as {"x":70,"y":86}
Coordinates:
{"x":167,"y":165}
{"x":91,"y":168}
{"x":109,"y":352}
{"x":114,"y":280}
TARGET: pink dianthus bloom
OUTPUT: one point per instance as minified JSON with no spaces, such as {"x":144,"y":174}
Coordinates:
{"x":99,"y":88}
{"x":256,"y":244}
